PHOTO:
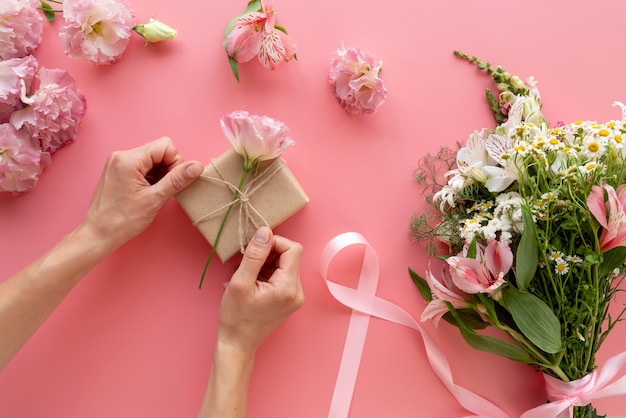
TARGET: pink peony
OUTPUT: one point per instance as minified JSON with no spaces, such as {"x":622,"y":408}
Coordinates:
{"x":96,"y":30}
{"x":21,"y":27}
{"x":354,"y":80}
{"x":53,"y":111}
{"x":255,"y":34}
{"x":15,"y":73}
{"x":255,"y":138}
{"x":21,"y":162}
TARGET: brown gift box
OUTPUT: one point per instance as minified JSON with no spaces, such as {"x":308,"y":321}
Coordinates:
{"x":270,"y":195}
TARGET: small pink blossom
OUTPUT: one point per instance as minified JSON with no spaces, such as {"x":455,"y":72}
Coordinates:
{"x":15,"y":74}
{"x":256,"y":138}
{"x":485,"y":273}
{"x":21,"y":161}
{"x":21,"y":28}
{"x":443,"y":290}
{"x":96,"y":30}
{"x":53,"y":111}
{"x":255,"y":34}
{"x":611,"y":214}
{"x":354,"y":80}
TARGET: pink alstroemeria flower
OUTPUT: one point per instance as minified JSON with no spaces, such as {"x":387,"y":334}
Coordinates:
{"x":96,"y":30}
{"x":443,"y":290}
{"x":256,"y":138}
{"x":610,"y":214}
{"x":255,"y":34}
{"x":485,"y":273}
{"x":21,"y":162}
{"x":53,"y":112}
{"x":354,"y":80}
{"x":21,"y":27}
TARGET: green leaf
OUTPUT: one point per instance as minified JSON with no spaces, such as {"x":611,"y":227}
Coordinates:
{"x":471,"y":250}
{"x":422,"y":285}
{"x":611,"y":260}
{"x":535,"y":319}
{"x":470,"y":317}
{"x":234,"y":67}
{"x":526,"y":258}
{"x":487,"y":343}
{"x":496,"y":346}
{"x":48,"y":11}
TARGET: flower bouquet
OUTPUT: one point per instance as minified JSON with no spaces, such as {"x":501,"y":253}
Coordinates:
{"x":530,"y":224}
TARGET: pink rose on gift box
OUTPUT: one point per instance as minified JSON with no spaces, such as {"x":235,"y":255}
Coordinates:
{"x":256,"y":138}
{"x":53,"y":112}
{"x":14,"y":72}
{"x":21,"y":26}
{"x":21,"y":162}
{"x":354,"y":80}
{"x":96,"y":30}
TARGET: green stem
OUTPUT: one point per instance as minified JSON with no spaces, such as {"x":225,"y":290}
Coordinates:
{"x":246,"y":170}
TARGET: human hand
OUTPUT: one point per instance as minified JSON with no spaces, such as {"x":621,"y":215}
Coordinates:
{"x":134,"y":185}
{"x":262,"y":293}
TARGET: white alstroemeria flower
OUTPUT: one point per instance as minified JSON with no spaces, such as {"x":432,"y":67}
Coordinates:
{"x":471,"y":159}
{"x":502,"y":175}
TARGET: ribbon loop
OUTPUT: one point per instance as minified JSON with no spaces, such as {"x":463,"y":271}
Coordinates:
{"x":364,"y":304}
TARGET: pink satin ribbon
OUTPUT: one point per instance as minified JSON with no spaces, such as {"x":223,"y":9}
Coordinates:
{"x":365,"y":303}
{"x":564,"y":396}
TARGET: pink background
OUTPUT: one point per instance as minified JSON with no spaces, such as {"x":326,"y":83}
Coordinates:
{"x":135,"y":338}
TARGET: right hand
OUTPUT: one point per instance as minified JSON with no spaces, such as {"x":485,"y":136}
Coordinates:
{"x":252,"y":306}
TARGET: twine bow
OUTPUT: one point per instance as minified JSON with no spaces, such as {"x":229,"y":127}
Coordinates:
{"x":248,"y":214}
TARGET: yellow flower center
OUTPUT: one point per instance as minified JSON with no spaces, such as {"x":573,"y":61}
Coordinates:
{"x":560,"y":267}
{"x":595,"y":126}
{"x":618,"y":139}
{"x":593,"y":147}
{"x":610,"y":124}
{"x":603,"y":132}
{"x":96,"y":27}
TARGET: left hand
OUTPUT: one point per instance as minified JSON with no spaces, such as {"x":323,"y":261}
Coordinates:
{"x":134,"y":186}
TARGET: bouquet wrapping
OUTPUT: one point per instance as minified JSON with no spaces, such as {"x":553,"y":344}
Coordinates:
{"x":270,"y":196}
{"x":529,"y":229}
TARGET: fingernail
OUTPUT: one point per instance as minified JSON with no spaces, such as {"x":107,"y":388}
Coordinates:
{"x":262,"y":235}
{"x":194,"y":170}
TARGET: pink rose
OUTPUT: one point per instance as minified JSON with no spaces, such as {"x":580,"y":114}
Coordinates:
{"x":256,"y":138}
{"x":21,"y":162}
{"x":96,"y":30}
{"x":21,"y":27}
{"x":53,"y":111}
{"x":355,"y":82}
{"x":15,"y":73}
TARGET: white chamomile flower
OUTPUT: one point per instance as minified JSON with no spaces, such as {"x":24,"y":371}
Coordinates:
{"x":561,"y":266}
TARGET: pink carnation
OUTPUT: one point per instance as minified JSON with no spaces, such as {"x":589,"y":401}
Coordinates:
{"x":354,"y":80}
{"x":15,"y":73}
{"x":21,"y":27}
{"x":96,"y":30}
{"x":21,"y":162}
{"x":53,"y":112}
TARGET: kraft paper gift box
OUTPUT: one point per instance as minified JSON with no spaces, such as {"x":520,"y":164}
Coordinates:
{"x":270,"y":195}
